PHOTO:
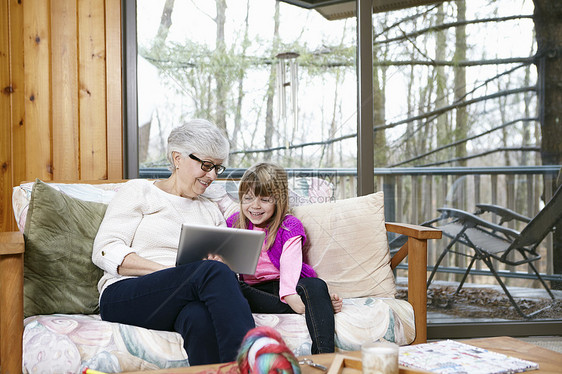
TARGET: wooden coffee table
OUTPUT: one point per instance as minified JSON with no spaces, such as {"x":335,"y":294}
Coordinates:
{"x":549,"y":361}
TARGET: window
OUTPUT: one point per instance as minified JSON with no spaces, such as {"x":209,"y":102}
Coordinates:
{"x":456,"y":110}
{"x":279,"y":79}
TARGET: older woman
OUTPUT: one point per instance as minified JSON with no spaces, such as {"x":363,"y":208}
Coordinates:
{"x":136,"y":247}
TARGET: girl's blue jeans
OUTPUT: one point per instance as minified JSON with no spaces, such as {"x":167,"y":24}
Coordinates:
{"x":202,"y":301}
{"x":319,"y":313}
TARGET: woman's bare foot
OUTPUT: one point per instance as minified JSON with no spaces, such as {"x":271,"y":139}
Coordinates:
{"x":337,"y":303}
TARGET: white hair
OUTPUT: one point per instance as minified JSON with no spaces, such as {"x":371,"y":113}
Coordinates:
{"x":198,"y":136}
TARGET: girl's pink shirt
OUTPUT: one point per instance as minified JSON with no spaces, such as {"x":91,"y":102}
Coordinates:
{"x":290,"y":267}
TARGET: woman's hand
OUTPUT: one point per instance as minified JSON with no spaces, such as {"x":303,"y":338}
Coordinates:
{"x":295,"y":302}
{"x":214,"y":257}
{"x":136,"y":265}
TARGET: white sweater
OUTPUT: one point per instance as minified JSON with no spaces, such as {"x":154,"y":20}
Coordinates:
{"x":142,"y":218}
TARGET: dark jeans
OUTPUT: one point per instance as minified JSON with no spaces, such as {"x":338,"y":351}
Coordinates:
{"x":201,"y":300}
{"x":319,"y":313}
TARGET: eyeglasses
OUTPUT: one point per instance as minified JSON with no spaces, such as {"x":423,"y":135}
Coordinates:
{"x":208,"y":165}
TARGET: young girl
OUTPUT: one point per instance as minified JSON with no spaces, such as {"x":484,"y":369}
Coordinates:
{"x":282,"y":283}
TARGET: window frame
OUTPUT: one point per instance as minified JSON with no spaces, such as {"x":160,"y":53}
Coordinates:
{"x":130,"y":98}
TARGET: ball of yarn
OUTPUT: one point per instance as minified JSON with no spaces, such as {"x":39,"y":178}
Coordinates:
{"x":263,"y":351}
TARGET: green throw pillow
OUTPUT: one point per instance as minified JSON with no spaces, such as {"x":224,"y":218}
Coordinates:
{"x":59,"y":276}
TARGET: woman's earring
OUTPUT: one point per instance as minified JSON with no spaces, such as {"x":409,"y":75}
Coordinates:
{"x":177,"y":167}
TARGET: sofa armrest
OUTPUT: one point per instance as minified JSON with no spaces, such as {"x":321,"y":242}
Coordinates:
{"x":416,"y":249}
{"x":12,"y":247}
{"x":411,"y":231}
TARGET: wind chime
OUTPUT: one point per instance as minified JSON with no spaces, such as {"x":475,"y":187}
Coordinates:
{"x":287,"y":77}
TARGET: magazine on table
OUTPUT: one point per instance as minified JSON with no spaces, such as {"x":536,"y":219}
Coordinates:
{"x":449,"y":356}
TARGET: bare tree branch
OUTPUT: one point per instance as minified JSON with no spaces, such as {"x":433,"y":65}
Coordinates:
{"x":454,"y":144}
{"x":498,"y":61}
{"x":456,"y":105}
{"x":257,"y":61}
{"x":391,"y":125}
{"x":410,"y":18}
{"x":445,"y":26}
{"x":484,"y":83}
{"x":495,"y":150}
{"x":295,"y":146}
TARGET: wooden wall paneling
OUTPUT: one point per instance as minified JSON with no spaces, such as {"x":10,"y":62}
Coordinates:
{"x":5,"y":119}
{"x":114,"y":105}
{"x":12,"y":142}
{"x":92,"y":96}
{"x":64,"y":90}
{"x":18,"y":120}
{"x":61,"y":108}
{"x":37,"y":89}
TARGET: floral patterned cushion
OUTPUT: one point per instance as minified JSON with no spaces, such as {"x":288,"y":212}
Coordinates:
{"x":61,"y":343}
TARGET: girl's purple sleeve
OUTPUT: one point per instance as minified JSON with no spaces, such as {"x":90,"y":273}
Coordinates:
{"x":230,"y":221}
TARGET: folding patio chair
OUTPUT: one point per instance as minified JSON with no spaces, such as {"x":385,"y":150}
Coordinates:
{"x":490,"y":241}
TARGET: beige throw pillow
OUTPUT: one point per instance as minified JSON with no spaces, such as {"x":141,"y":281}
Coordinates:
{"x":348,"y":247}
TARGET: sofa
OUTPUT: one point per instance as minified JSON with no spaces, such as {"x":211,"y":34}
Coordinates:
{"x":47,"y":280}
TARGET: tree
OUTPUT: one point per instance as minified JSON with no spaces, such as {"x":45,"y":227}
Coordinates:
{"x":269,"y":123}
{"x":157,"y":47}
{"x":548,"y":29}
{"x":443,"y":131}
{"x":220,"y":74}
{"x":379,"y":102}
{"x":461,"y":129}
{"x":240,"y":78}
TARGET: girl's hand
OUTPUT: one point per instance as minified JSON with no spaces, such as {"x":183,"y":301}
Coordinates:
{"x":295,"y":303}
{"x":337,"y":303}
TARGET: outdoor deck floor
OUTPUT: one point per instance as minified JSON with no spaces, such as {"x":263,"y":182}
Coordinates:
{"x":482,"y":303}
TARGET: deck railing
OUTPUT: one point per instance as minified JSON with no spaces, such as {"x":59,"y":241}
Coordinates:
{"x":413,"y":195}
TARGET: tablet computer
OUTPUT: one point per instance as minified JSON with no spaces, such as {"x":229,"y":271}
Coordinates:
{"x":239,"y":248}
